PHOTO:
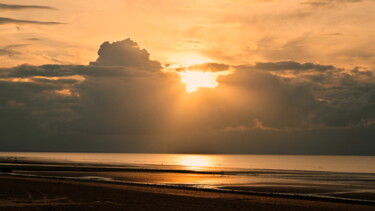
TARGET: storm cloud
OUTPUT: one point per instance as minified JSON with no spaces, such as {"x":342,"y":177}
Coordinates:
{"x":124,"y":102}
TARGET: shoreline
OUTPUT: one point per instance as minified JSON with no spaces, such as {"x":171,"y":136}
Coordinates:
{"x":211,"y":190}
{"x":266,"y":200}
{"x":132,"y":176}
{"x":291,"y":186}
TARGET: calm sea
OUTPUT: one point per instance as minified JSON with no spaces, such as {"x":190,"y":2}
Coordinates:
{"x":353,"y":164}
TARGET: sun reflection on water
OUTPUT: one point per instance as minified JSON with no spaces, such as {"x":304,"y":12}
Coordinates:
{"x":195,"y":162}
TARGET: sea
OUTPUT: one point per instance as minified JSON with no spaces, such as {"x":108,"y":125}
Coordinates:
{"x":339,"y":178}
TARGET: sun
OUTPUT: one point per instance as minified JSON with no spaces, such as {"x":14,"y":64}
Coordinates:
{"x":197,"y":79}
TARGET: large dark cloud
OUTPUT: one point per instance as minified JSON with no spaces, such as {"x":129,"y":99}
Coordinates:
{"x":122,"y":103}
{"x":340,"y":98}
{"x":22,"y":7}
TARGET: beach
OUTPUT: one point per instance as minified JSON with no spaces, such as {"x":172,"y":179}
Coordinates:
{"x":24,"y":193}
{"x":83,"y":181}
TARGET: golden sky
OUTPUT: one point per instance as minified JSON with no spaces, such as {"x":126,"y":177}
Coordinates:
{"x":176,"y":31}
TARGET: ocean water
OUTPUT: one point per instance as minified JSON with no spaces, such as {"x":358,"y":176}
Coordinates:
{"x":333,"y":177}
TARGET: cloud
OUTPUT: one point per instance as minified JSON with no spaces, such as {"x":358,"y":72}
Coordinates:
{"x":33,"y":39}
{"x":212,"y":67}
{"x":274,"y":102}
{"x":122,"y":103}
{"x":125,"y":53}
{"x":22,"y":7}
{"x":4,"y":20}
{"x":292,"y":65}
{"x":209,"y":67}
{"x":10,"y":50}
{"x":329,"y":3}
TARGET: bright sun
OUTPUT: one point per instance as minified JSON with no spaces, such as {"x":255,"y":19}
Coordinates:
{"x":197,"y":79}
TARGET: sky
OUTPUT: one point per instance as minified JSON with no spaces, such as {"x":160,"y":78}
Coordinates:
{"x":199,"y":76}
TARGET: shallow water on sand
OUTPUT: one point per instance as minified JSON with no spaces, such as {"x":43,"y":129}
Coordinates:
{"x":342,"y":177}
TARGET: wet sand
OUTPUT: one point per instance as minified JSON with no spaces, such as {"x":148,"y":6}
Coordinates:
{"x":360,"y":191}
{"x":23,"y":193}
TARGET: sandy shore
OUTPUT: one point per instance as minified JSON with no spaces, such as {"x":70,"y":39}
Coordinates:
{"x":22,"y":193}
